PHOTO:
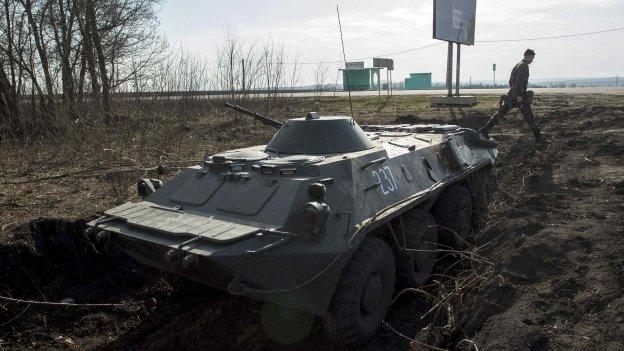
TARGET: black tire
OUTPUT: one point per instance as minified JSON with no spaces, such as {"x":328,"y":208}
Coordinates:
{"x":421,"y":233}
{"x":480,"y":188}
{"x":453,"y":212}
{"x":363,"y":294}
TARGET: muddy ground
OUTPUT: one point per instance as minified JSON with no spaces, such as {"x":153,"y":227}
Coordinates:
{"x":550,"y":273}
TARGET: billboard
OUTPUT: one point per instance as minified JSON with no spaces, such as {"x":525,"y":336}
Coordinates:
{"x":454,"y":20}
{"x":384,"y":63}
{"x":354,"y":65}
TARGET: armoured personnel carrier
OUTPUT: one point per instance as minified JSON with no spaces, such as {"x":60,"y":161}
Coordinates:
{"x":329,"y":218}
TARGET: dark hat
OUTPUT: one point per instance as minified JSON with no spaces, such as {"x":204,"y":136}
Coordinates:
{"x":529,"y":52}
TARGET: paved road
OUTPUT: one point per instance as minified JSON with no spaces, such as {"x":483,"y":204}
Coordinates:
{"x":495,"y":92}
{"x":571,"y":91}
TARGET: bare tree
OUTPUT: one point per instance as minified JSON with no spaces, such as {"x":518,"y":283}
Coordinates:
{"x":92,"y":27}
{"x":8,"y":103}
{"x":295,"y":73}
{"x":35,"y":14}
{"x":320,"y":77}
{"x":88,"y":61}
{"x":228,"y":58}
{"x":62,"y":23}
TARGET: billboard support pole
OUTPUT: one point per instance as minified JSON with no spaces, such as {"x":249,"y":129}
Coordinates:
{"x":388,"y":81}
{"x":449,"y":69}
{"x":458,"y":69}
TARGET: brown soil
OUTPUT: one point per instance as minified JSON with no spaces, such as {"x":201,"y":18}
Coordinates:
{"x":555,"y":240}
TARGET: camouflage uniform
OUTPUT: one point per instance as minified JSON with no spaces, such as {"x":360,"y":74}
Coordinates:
{"x":518,"y":83}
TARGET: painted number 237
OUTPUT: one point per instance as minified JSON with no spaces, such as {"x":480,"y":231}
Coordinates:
{"x":386,"y":180}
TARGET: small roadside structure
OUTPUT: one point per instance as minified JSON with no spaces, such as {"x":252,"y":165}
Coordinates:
{"x":361,"y":79}
{"x":418,"y":81}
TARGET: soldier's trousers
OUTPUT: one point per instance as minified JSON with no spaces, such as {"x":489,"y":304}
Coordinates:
{"x":527,"y":114}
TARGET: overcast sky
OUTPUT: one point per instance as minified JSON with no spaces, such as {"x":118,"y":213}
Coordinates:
{"x":374,"y":28}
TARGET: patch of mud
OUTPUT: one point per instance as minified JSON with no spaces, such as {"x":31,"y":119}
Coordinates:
{"x":533,"y":262}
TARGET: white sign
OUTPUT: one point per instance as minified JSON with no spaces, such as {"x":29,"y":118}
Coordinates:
{"x":354,"y":65}
{"x":383,"y":63}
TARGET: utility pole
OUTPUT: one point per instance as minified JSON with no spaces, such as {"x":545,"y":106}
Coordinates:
{"x":617,"y":78}
{"x":494,"y":69}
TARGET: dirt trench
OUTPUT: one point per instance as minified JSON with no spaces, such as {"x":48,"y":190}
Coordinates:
{"x":49,"y":260}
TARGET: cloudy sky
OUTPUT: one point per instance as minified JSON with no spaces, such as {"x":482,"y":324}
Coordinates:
{"x":376,"y":28}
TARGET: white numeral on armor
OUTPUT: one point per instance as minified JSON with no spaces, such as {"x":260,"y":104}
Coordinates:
{"x":386,"y":180}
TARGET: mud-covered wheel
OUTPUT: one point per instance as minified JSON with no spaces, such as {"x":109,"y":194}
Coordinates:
{"x":363,"y":294}
{"x":480,"y":188}
{"x":421,"y":234}
{"x":453,"y":213}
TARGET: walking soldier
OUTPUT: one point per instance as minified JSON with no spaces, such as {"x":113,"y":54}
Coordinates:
{"x":518,"y":96}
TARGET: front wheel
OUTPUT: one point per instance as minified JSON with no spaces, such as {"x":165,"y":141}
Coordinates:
{"x":363,"y":294}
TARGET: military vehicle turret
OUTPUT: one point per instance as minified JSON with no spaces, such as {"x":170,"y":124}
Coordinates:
{"x":329,"y":218}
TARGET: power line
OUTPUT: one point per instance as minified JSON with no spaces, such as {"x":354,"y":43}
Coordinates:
{"x":478,"y":41}
{"x":552,"y":37}
{"x":370,"y":57}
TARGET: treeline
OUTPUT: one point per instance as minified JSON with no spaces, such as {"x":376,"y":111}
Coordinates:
{"x":242,"y":64}
{"x":67,"y":60}
{"x":59,"y":54}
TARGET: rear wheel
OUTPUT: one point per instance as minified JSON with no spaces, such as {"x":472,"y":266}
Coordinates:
{"x":421,"y":234}
{"x":363,"y":294}
{"x":453,"y":212}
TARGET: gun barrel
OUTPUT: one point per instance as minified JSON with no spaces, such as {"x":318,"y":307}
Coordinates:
{"x":263,"y":119}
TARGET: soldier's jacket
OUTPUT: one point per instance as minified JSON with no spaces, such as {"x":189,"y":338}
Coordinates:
{"x":519,"y":80}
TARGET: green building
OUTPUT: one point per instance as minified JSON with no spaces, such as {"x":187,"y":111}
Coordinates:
{"x":361,"y":79}
{"x":418,"y":81}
